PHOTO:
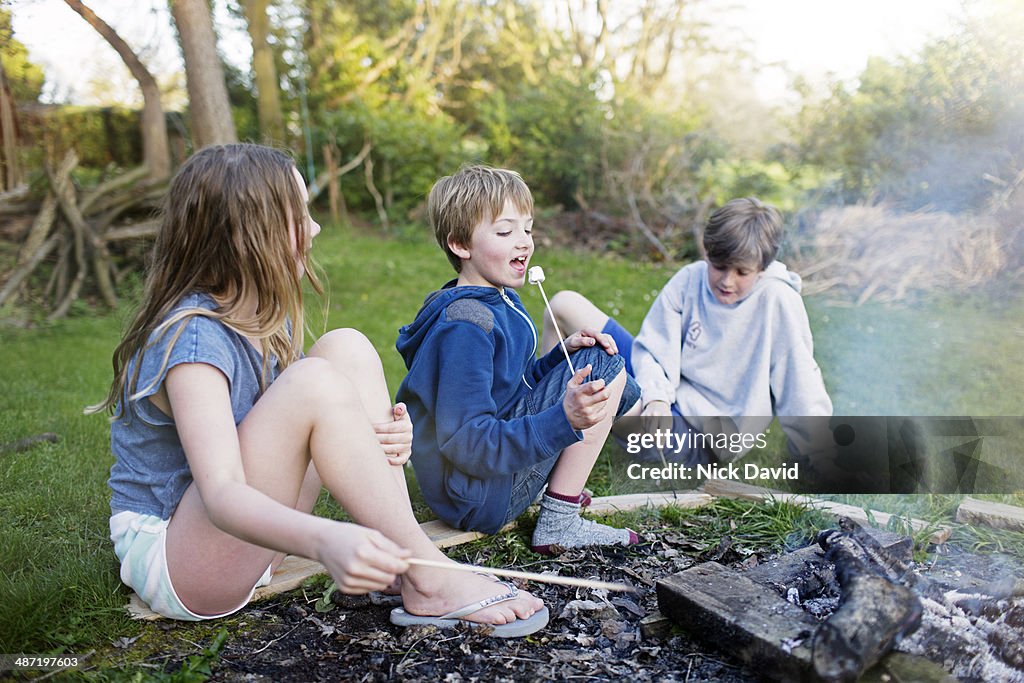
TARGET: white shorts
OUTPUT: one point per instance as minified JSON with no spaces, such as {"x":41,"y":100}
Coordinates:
{"x":140,"y":545}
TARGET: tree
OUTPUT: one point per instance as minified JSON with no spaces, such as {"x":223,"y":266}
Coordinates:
{"x":24,"y":78}
{"x":939,"y":128}
{"x":156,"y":153}
{"x":268,"y":94}
{"x":209,"y":107}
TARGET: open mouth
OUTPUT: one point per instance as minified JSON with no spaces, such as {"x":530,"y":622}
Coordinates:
{"x":519,"y":264}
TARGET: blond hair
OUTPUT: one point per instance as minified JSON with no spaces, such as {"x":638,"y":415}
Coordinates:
{"x":744,"y":231}
{"x":458,"y":203}
{"x":225,"y":230}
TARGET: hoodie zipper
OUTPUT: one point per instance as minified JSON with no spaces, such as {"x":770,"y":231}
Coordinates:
{"x":529,"y":322}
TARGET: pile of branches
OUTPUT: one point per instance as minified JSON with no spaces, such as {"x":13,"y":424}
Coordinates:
{"x":862,"y":253}
{"x":72,"y":234}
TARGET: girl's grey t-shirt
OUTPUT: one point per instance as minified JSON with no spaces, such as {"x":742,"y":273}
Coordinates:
{"x":150,"y":472}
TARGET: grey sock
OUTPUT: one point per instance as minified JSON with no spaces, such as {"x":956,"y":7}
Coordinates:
{"x":559,"y":523}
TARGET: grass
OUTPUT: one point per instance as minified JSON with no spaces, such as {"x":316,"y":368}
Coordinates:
{"x":59,"y":588}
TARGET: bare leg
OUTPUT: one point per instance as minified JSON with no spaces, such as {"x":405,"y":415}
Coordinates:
{"x":352,"y":354}
{"x":574,"y":312}
{"x":313,"y":410}
{"x":576,"y":462}
{"x":559,"y":522}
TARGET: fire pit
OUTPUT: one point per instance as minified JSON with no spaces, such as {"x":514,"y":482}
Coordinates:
{"x":829,"y":612}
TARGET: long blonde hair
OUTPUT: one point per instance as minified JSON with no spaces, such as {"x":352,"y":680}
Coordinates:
{"x":225,"y":230}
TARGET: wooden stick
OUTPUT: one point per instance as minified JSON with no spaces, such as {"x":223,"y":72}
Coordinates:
{"x":529,"y":576}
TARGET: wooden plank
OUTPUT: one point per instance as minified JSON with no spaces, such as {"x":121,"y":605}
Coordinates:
{"x":733,"y":489}
{"x":988,"y":513}
{"x":608,"y":504}
{"x":727,"y":611}
{"x":655,"y":626}
{"x":445,"y":536}
{"x":294,"y":570}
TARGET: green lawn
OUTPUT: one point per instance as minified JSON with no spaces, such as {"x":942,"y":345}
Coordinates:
{"x":59,"y":589}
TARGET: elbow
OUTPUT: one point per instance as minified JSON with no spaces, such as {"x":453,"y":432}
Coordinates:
{"x":216,"y":502}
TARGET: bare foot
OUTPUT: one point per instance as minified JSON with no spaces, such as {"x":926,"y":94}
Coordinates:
{"x":428,"y":591}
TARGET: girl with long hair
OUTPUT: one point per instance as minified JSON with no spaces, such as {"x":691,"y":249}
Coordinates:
{"x":223,"y":431}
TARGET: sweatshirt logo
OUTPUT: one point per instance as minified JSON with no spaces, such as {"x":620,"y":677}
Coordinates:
{"x":693,"y":334}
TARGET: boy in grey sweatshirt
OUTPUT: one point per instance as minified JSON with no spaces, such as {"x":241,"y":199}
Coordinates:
{"x":727,"y":337}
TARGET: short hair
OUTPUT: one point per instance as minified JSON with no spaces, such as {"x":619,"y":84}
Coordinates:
{"x":458,"y":203}
{"x":743,"y":231}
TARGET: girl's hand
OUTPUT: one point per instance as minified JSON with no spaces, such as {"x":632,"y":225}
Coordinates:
{"x":361,"y":560}
{"x":585,"y":404}
{"x":395,"y":437}
{"x":591,"y":337}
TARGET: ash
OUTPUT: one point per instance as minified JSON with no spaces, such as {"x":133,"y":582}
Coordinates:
{"x":973,"y":612}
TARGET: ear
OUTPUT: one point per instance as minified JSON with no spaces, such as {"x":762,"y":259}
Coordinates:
{"x":458,"y":249}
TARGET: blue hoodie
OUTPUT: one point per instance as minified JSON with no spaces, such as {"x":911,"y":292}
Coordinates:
{"x":471,"y":355}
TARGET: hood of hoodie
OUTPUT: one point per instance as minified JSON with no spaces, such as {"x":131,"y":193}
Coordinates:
{"x":777,"y":270}
{"x":411,"y":336}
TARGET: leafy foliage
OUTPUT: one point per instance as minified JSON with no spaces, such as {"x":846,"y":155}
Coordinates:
{"x":940,"y":128}
{"x":24,"y":78}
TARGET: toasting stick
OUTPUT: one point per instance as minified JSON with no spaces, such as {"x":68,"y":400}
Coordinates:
{"x":528,"y":576}
{"x":536,"y":276}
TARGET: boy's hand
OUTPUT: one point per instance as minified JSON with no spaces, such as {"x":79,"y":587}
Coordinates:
{"x":585,"y":404}
{"x":657,"y":409}
{"x":361,"y":560}
{"x":590,"y":337}
{"x":395,"y":437}
{"x":656,"y":415}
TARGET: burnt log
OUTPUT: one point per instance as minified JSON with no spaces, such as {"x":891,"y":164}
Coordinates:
{"x":806,"y":572}
{"x":726,"y":610}
{"x":975,"y":633}
{"x":873,"y":616}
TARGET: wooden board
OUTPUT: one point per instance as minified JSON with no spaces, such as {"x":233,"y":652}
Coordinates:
{"x":633,"y":501}
{"x":727,"y":611}
{"x":294,"y":570}
{"x":735,"y":489}
{"x":986,"y":513}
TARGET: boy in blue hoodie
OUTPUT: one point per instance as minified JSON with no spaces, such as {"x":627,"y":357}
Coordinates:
{"x":726,"y":345}
{"x":492,"y":424}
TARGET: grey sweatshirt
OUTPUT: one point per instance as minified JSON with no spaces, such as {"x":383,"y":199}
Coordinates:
{"x":744,"y":361}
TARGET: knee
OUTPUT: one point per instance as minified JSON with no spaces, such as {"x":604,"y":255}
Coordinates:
{"x":320,"y":382}
{"x":566,"y":301}
{"x":347,"y":346}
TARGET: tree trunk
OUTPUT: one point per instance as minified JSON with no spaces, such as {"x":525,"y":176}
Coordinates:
{"x":154,"y":127}
{"x":268,"y":96}
{"x":10,"y":168}
{"x":207,"y":90}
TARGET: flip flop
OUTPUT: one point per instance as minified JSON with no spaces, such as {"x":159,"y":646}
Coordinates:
{"x":515,"y":629}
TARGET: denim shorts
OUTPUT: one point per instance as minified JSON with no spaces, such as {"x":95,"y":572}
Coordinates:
{"x":140,"y":545}
{"x":528,"y":484}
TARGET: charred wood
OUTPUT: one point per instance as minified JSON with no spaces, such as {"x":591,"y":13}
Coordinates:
{"x":873,"y":615}
{"x":975,"y":633}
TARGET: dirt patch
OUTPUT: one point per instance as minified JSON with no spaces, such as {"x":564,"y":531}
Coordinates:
{"x":592,"y":634}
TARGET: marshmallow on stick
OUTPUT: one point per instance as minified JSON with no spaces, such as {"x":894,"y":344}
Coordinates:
{"x":535,"y":276}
